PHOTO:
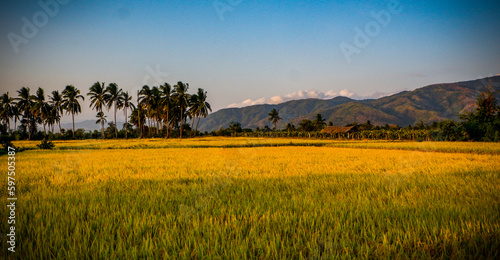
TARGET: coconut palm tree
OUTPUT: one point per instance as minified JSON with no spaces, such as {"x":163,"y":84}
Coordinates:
{"x":274,"y":117}
{"x":165,"y":104}
{"x":193,"y":107}
{"x":155,"y":112}
{"x":146,"y":101}
{"x":101,"y":119}
{"x":45,"y":115}
{"x":56,"y":100}
{"x":182,"y":97}
{"x":112,"y":98}
{"x":51,"y":116}
{"x":175,"y":118}
{"x":138,"y":117}
{"x":200,"y":106}
{"x":25,"y":103}
{"x":71,"y":104}
{"x":319,"y":122}
{"x":16,"y":114}
{"x":97,"y":94}
{"x":7,"y":107}
{"x":126,"y":104}
{"x":40,"y":108}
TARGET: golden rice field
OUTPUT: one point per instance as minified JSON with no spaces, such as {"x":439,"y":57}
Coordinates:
{"x":252,"y":198}
{"x":236,"y":142}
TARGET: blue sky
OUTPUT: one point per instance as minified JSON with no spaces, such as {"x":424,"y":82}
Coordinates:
{"x":261,"y":51}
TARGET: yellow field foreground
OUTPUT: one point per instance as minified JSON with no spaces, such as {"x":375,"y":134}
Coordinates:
{"x":89,"y":166}
{"x":207,"y":142}
{"x":231,"y":201}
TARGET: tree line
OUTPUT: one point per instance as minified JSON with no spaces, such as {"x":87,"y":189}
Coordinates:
{"x":481,"y":124}
{"x":159,"y":110}
{"x":162,"y":111}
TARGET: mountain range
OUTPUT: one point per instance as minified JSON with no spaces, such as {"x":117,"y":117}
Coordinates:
{"x":428,"y":104}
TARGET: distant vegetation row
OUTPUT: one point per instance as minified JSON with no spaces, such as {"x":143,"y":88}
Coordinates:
{"x":482,"y":124}
{"x":163,"y":112}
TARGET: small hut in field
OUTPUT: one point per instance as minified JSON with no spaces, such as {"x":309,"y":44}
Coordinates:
{"x":340,"y":130}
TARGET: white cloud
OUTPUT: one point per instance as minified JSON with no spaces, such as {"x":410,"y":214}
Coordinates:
{"x":304,"y":94}
{"x":331,"y":94}
{"x":347,"y":93}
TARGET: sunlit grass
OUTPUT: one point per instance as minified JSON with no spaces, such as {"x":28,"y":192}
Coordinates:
{"x":257,"y":202}
{"x":206,"y":142}
{"x":467,"y":147}
{"x":173,"y":143}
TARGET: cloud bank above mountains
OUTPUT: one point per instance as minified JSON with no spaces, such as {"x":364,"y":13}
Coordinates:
{"x":304,"y":94}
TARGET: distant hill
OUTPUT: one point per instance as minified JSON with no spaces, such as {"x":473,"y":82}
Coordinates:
{"x":256,"y":116}
{"x":428,"y":104}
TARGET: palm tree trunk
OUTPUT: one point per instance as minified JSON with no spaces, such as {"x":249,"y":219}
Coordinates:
{"x":182,"y":115}
{"x":196,"y":129}
{"x":102,"y":129}
{"x":29,"y":127}
{"x":59,"y":123}
{"x":126,"y":124}
{"x":73,"y":117}
{"x":139,"y":115}
{"x":116,"y":124}
{"x":168,"y":125}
